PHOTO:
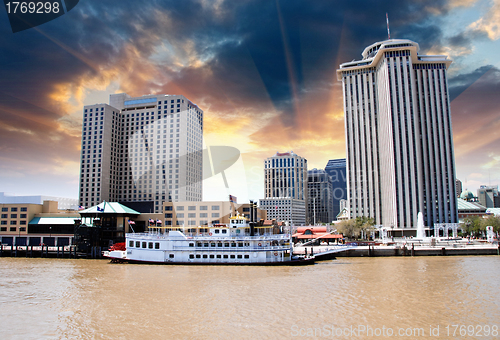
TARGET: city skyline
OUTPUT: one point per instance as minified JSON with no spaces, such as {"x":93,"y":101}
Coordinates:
{"x":263,"y":73}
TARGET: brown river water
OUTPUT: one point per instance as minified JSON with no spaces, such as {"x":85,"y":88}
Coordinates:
{"x":348,"y":298}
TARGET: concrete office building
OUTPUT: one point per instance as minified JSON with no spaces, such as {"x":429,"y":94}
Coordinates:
{"x":336,"y":168}
{"x":488,"y":196}
{"x":141,"y":151}
{"x":320,"y":197}
{"x":458,"y":187}
{"x":196,"y":214}
{"x":400,"y":158}
{"x":285,"y":188}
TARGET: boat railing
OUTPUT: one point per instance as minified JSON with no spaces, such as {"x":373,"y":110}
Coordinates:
{"x":208,"y":237}
{"x":239,"y":249}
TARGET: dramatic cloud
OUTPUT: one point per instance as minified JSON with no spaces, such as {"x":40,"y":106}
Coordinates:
{"x":262,"y":71}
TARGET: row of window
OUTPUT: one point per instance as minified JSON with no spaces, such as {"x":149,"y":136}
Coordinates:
{"x":13,"y":209}
{"x":13,"y":229}
{"x":191,"y":215}
{"x":220,"y":244}
{"x":191,"y":207}
{"x":13,"y":215}
{"x":13,"y":222}
{"x":218,"y":256}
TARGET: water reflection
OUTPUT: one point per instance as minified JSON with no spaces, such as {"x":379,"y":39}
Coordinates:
{"x":81,"y":299}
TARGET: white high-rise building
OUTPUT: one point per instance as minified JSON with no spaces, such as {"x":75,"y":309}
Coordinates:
{"x":400,"y":158}
{"x":145,"y":150}
{"x":285,"y":181}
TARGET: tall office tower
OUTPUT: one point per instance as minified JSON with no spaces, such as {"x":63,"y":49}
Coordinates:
{"x":458,"y":187}
{"x":400,"y":158}
{"x":285,"y":181}
{"x":319,"y":197}
{"x":336,"y":168}
{"x":488,"y":196}
{"x":143,"y":151}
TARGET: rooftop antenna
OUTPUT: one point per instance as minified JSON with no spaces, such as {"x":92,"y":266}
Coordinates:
{"x":387,"y":19}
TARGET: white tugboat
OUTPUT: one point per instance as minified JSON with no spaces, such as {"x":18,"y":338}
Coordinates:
{"x":238,"y":243}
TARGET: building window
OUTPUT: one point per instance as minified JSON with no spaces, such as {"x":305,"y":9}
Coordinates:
{"x":215,"y":207}
{"x":131,"y":244}
{"x":24,"y":209}
{"x":215,"y":214}
{"x":13,"y":209}
{"x":192,"y":207}
{"x":13,"y":222}
{"x":12,"y":228}
{"x":5,"y":209}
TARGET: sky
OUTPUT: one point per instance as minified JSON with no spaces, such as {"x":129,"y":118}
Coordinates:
{"x":262,"y":71}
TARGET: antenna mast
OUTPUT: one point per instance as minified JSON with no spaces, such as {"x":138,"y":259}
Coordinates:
{"x":388,"y":32}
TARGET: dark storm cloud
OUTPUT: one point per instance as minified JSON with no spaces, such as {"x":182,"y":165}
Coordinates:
{"x":291,"y":47}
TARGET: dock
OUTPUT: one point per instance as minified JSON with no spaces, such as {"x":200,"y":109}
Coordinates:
{"x":46,"y":251}
{"x":409,"y":249}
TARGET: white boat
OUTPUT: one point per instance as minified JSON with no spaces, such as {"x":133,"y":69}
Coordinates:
{"x":237,"y":243}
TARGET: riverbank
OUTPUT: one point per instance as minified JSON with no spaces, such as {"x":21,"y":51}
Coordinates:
{"x":409,"y":249}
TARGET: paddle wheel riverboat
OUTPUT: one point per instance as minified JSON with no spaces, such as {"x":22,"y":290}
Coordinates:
{"x":236,"y":243}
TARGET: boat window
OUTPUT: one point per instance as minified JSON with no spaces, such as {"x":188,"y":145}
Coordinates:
{"x":232,"y":256}
{"x":219,"y":256}
{"x":240,"y":244}
{"x":144,"y":245}
{"x":150,"y":245}
{"x":198,"y":256}
{"x":216,"y":231}
{"x":247,"y":244}
{"x":205,"y":244}
{"x":171,"y":256}
{"x":191,"y":244}
{"x":225,"y":256}
{"x":157,"y":245}
{"x":137,"y":244}
{"x":224,"y":231}
{"x":226,"y":244}
{"x":212,"y":256}
{"x":205,"y":256}
{"x":212,"y":244}
{"x":219,"y":244}
{"x":199,"y":244}
{"x":240,"y":256}
{"x":131,"y":243}
{"x":191,"y":256}
{"x":233,"y":244}
{"x":247,"y":256}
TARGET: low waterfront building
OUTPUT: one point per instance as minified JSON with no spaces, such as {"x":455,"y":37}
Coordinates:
{"x":33,"y":224}
{"x":469,"y":209}
{"x":202,"y":213}
{"x":63,"y":203}
{"x":319,"y":233}
{"x":285,"y":209}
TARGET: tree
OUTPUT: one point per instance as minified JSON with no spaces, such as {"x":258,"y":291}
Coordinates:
{"x":356,"y":228}
{"x":493,"y":221}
